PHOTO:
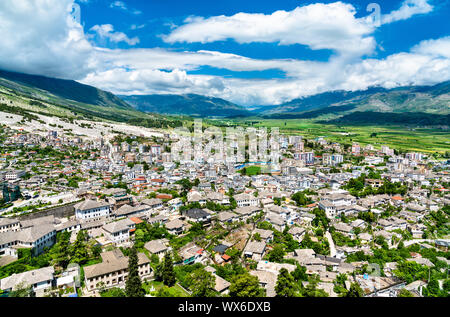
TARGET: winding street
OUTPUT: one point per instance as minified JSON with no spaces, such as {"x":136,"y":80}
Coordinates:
{"x":331,"y":242}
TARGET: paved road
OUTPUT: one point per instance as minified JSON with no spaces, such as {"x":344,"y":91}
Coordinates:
{"x":411,"y":242}
{"x":331,"y":242}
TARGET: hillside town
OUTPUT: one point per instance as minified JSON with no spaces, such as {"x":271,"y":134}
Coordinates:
{"x":323,"y":220}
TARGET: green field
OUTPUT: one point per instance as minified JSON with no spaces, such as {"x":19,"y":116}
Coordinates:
{"x":397,"y":137}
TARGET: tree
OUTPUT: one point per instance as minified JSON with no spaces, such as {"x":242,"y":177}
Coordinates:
{"x":168,"y":274}
{"x":311,"y":289}
{"x":22,"y":290}
{"x":79,"y":249}
{"x":234,"y":254}
{"x":159,"y":271}
{"x":433,"y":287}
{"x":154,"y":258}
{"x":299,"y":274}
{"x":301,"y":199}
{"x":276,"y":254}
{"x":355,"y":291}
{"x":96,"y":250}
{"x":61,"y":249}
{"x":257,"y":237}
{"x":139,"y":238}
{"x":133,"y":287}
{"x":246,"y":285}
{"x":201,"y":283}
{"x":285,"y":286}
{"x":405,"y":293}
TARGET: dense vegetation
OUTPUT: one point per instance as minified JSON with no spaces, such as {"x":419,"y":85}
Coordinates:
{"x":385,"y":118}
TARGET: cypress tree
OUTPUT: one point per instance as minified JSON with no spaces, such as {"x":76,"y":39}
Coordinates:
{"x":168,"y":273}
{"x":285,"y":286}
{"x":133,"y":287}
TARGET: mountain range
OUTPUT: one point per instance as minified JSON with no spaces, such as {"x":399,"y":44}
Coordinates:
{"x":343,"y":106}
{"x":189,"y":104}
{"x":422,"y":99}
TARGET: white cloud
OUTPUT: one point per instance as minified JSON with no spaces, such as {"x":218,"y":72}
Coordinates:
{"x":118,"y":4}
{"x":320,"y":26}
{"x":121,"y":5}
{"x":137,"y":27}
{"x":426,"y":63}
{"x":106,"y":31}
{"x":40,"y":37}
{"x":154,"y":81}
{"x":407,"y":10}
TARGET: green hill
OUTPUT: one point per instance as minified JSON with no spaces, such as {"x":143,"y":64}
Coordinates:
{"x":67,"y":90}
{"x":421,"y":99}
{"x":28,"y":94}
{"x":190,"y":104}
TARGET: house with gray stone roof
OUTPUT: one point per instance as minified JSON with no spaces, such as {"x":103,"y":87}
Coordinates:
{"x":90,"y":210}
{"x":113,"y":271}
{"x":39,"y":280}
{"x":118,"y":231}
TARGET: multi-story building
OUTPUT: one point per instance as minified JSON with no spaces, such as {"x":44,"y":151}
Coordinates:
{"x":244,"y":200}
{"x":413,"y":156}
{"x":35,"y":238}
{"x":10,"y":192}
{"x":8,"y":224}
{"x":92,"y":210}
{"x":332,"y":159}
{"x":118,"y":231}
{"x":356,"y":149}
{"x":39,"y":280}
{"x":13,"y":175}
{"x":113,"y":271}
{"x":306,"y":157}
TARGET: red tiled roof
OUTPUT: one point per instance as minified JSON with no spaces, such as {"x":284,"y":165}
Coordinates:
{"x":136,"y":220}
{"x":164,"y":196}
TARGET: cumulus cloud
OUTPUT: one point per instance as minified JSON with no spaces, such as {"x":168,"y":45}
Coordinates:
{"x":41,"y":37}
{"x":407,"y":10}
{"x":426,"y":63}
{"x":154,"y":81}
{"x":106,"y":31}
{"x":320,"y":26}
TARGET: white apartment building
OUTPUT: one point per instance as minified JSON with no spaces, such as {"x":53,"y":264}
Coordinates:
{"x":92,"y":210}
{"x":245,"y":200}
{"x":118,"y":231}
{"x":8,"y":224}
{"x":35,"y":238}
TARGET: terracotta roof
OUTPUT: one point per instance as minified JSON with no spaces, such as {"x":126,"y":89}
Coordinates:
{"x":136,"y":220}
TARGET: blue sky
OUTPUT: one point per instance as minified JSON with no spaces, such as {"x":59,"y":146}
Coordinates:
{"x":157,"y":16}
{"x":249,"y":52}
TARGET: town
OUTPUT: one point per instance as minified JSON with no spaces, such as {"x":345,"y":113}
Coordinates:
{"x":109,"y":213}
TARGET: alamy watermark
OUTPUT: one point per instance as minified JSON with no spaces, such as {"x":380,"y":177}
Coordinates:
{"x":234,"y":145}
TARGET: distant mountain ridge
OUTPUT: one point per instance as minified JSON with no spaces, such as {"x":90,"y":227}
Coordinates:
{"x":64,"y":89}
{"x":189,"y":104}
{"x":425,"y":99}
{"x":79,"y":98}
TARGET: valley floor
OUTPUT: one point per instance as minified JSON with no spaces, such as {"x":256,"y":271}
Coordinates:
{"x":422,"y":139}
